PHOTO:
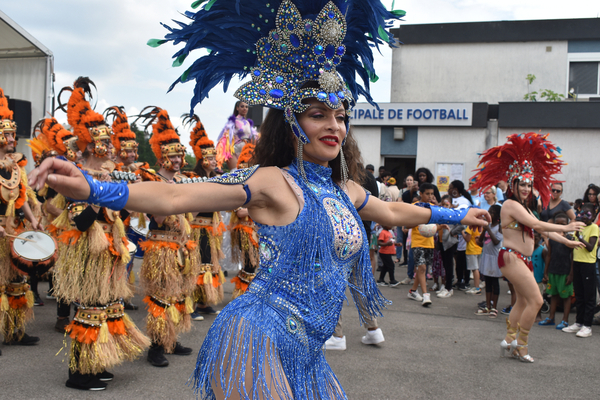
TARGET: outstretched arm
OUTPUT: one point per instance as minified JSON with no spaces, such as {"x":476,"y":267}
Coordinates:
{"x":404,"y":214}
{"x":149,"y":197}
{"x":512,"y":210}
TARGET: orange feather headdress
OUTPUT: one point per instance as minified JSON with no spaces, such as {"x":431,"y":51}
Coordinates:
{"x":201,"y":144}
{"x":62,"y":141}
{"x":527,"y":157}
{"x":246,"y":156}
{"x":7,"y":125}
{"x":164,"y":140}
{"x":40,"y":145}
{"x":123,"y":137}
{"x":88,"y":125}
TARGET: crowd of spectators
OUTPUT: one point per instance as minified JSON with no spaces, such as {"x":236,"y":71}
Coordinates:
{"x":463,"y":259}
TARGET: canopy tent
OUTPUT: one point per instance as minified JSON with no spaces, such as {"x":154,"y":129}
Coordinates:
{"x":26,"y":71}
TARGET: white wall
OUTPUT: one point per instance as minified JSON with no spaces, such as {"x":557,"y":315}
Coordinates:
{"x":476,"y":72}
{"x":369,"y":143}
{"x":579,"y":152}
{"x":450,"y":145}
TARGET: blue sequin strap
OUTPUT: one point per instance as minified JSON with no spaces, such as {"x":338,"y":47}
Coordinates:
{"x":237,"y":177}
{"x":111,"y":195}
{"x":364,"y":202}
{"x":441,"y":215}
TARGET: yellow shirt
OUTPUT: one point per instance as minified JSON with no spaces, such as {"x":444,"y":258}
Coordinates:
{"x":472,"y":247}
{"x":582,"y":255}
{"x":419,"y":240}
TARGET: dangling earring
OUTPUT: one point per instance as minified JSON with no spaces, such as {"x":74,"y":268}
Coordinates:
{"x":299,"y":153}
{"x":344,"y":166}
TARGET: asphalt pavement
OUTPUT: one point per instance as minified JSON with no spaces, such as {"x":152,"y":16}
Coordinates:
{"x":442,"y":352}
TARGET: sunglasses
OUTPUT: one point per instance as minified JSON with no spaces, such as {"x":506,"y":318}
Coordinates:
{"x":556,"y":191}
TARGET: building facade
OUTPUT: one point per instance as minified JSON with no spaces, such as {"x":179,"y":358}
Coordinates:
{"x":458,"y":89}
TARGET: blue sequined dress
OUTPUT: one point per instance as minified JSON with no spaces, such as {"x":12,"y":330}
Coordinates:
{"x":269,"y":341}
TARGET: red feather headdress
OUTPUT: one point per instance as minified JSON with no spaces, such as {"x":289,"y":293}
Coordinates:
{"x":529,"y":157}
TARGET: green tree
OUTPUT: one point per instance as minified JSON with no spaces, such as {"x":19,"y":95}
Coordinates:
{"x":144,"y":149}
{"x":548,"y":94}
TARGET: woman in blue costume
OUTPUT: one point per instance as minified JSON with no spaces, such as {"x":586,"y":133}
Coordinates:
{"x":268,"y":342}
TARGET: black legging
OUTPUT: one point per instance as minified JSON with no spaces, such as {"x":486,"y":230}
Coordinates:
{"x":462,"y":275}
{"x":492,"y":285}
{"x":448,"y":261}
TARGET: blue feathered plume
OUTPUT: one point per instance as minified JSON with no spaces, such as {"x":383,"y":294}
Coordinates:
{"x":230,"y":29}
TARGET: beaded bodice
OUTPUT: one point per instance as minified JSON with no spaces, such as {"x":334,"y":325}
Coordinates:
{"x":305,"y":266}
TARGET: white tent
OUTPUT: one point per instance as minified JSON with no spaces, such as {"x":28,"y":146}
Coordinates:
{"x":26,"y":71}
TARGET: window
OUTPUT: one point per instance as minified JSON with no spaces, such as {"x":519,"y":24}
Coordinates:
{"x":583,"y":78}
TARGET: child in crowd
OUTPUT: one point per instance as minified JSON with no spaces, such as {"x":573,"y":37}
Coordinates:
{"x":387,"y":249}
{"x":472,"y":254}
{"x":577,"y":206}
{"x":584,"y":278}
{"x":558,"y":274}
{"x":461,"y":258}
{"x":422,"y":248}
{"x":491,"y":242}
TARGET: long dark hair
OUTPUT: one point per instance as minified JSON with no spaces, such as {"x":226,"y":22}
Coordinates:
{"x":427,"y":172}
{"x":587,"y":192}
{"x":458,"y":185}
{"x":277,"y":148}
{"x":530,"y":203}
{"x":201,"y":171}
{"x":235,"y":111}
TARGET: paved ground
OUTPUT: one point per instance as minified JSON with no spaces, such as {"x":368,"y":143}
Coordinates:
{"x":444,"y":351}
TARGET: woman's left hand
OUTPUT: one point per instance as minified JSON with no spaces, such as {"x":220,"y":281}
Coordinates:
{"x":476,"y":217}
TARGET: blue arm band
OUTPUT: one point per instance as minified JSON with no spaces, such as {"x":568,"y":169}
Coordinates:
{"x":364,"y":202}
{"x":107,"y":194}
{"x":441,"y":215}
{"x":248,"y":194}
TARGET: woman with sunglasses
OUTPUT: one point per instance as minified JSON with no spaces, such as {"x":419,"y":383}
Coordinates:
{"x":591,"y":196}
{"x":557,"y":204}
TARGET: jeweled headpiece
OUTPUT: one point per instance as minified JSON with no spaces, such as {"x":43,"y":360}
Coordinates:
{"x":88,"y":125}
{"x":293,"y":50}
{"x":164,"y":140}
{"x":7,"y":125}
{"x":520,"y":158}
{"x":123,"y":138}
{"x":62,"y":141}
{"x":203,"y":147}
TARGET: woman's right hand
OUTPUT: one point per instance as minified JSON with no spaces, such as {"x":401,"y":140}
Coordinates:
{"x":62,"y":176}
{"x":575,"y":226}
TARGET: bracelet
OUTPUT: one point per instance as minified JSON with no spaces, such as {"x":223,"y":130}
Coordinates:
{"x":441,"y":215}
{"x":111,"y":195}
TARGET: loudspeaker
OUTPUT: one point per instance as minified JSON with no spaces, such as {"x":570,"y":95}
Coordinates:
{"x":21,"y":115}
{"x":255,"y":113}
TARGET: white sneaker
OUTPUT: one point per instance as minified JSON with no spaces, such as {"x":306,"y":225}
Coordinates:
{"x":414,"y":295}
{"x":406,"y":281}
{"x":434,"y":287}
{"x":482,"y":285}
{"x":335,"y":343}
{"x":573,"y":328}
{"x":426,"y":300}
{"x":446,"y":294}
{"x":585,"y":331}
{"x":442,"y":290}
{"x":373,"y":337}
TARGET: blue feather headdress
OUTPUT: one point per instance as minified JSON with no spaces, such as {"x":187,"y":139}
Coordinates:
{"x":283,"y":45}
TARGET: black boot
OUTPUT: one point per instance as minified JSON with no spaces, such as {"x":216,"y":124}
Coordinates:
{"x":180,"y":350}
{"x":84,"y":382}
{"x":156,"y":356}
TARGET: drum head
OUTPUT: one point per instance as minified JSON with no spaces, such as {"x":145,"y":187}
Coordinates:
{"x":132,"y":248}
{"x":39,"y":246}
{"x":134,"y":222}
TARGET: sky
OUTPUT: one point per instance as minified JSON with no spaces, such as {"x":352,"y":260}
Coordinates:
{"x":106,"y":41}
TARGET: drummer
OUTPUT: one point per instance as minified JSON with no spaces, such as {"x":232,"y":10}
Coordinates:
{"x":13,"y":209}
